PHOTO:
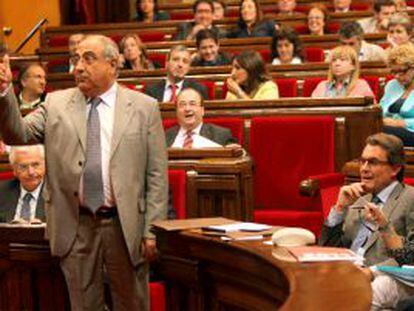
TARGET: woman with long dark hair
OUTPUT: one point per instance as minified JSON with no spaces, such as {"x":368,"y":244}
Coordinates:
{"x":147,"y":11}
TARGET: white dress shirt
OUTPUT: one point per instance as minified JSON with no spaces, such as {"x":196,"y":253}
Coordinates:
{"x":198,"y":140}
{"x":33,"y":202}
{"x":106,"y":111}
{"x":168,"y":91}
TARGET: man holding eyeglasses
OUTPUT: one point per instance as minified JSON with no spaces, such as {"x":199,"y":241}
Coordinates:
{"x":381,"y":170}
{"x":106,"y":176}
{"x":21,"y":198}
{"x":191,"y":132}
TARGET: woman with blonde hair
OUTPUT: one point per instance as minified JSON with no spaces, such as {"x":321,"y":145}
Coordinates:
{"x":398,"y":100}
{"x":134,"y":53}
{"x":343,"y":76}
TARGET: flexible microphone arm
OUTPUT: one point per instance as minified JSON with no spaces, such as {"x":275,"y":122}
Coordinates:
{"x":30,"y":34}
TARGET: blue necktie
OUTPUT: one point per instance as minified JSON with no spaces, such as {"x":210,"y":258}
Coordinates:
{"x":363,"y":233}
{"x":25,"y":212}
{"x":92,"y":175}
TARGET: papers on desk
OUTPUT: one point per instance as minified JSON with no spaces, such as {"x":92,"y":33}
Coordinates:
{"x":239,"y":226}
{"x":202,"y":142}
{"x":403,"y":274}
{"x":321,"y":254}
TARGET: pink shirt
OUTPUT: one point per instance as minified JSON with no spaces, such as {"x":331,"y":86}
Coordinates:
{"x":360,"y":89}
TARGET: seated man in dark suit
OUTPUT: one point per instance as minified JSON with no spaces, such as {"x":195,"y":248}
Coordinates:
{"x":203,"y":19}
{"x":381,"y":169}
{"x":191,"y":132}
{"x":178,"y":65}
{"x":208,"y":50}
{"x":21,"y":198}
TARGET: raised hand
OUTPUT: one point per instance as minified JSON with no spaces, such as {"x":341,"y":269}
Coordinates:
{"x":6,"y":76}
{"x":348,"y":195}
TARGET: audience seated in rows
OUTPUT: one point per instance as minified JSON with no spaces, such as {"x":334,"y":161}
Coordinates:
{"x":381,"y":170}
{"x":178,"y":65}
{"x":147,"y":11}
{"x":318,"y":18}
{"x":401,"y":6}
{"x":203,"y":19}
{"x":21,"y":199}
{"x":219,"y":9}
{"x":286,"y":47}
{"x":134,"y":53}
{"x":249,"y":78}
{"x":208,"y":50}
{"x":351,"y":34}
{"x":383,"y":10}
{"x":343,"y":76}
{"x":398,"y":101}
{"x":32,"y":84}
{"x":191,"y":132}
{"x":399,"y":29}
{"x":251,"y":22}
{"x":342,"y":6}
{"x":387,"y":292}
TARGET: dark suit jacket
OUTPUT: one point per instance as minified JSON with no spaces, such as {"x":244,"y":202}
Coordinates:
{"x":213,"y":132}
{"x":156,"y":90}
{"x":264,"y":28}
{"x":399,"y":209}
{"x":184,"y":29}
{"x":9,"y":197}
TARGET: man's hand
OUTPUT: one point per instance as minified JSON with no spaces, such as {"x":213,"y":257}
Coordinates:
{"x":348,"y":195}
{"x":394,"y":122}
{"x":6,"y":76}
{"x":375,"y":215}
{"x":149,"y":249}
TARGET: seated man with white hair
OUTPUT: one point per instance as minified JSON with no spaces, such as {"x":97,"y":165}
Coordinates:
{"x":21,"y":198}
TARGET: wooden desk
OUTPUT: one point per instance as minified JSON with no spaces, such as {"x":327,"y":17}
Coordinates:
{"x":30,"y":279}
{"x":205,"y":273}
{"x":218,"y":186}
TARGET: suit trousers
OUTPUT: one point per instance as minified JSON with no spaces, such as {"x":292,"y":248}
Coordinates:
{"x":99,"y":253}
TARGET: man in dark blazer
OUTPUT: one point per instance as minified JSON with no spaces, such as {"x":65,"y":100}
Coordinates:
{"x":21,"y":198}
{"x":178,"y":65}
{"x":190,"y":126}
{"x":381,"y":169}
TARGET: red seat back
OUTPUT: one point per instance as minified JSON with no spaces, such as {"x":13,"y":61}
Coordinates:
{"x":159,"y":58}
{"x":6,"y":175}
{"x":210,"y":85}
{"x":314,"y":54}
{"x":58,"y":41}
{"x":287,"y":150}
{"x":157,"y":296}
{"x":288,"y":87}
{"x":374,"y":84}
{"x":177,"y":180}
{"x":309,"y":85}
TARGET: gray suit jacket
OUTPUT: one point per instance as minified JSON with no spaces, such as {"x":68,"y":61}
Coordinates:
{"x":138,"y":161}
{"x":9,"y":197}
{"x":399,"y":209}
{"x":213,"y":132}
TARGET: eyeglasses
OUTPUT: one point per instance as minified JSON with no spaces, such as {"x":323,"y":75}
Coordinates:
{"x":25,"y":167}
{"x":400,"y":71}
{"x":371,"y":162}
{"x":190,"y":104}
{"x":87,"y":57}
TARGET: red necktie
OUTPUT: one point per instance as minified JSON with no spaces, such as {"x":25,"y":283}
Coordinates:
{"x":188,"y":141}
{"x":173,"y":97}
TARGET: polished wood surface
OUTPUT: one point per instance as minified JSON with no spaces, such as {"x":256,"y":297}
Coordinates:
{"x":30,"y":279}
{"x":205,"y":273}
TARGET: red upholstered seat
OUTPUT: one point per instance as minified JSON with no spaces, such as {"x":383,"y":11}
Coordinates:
{"x":181,"y":15}
{"x":287,"y":150}
{"x":210,"y":85}
{"x":159,"y":58}
{"x":157,"y":296}
{"x":152,"y":36}
{"x":53,"y":63}
{"x":6,"y":175}
{"x":374,"y":84}
{"x":234,"y":124}
{"x":309,"y":85}
{"x":57,"y":41}
{"x":288,"y":87}
{"x":266,"y":55}
{"x":177,"y":180}
{"x":313,"y":54}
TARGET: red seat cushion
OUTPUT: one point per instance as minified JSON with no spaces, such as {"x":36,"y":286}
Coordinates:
{"x":288,"y":87}
{"x":157,"y":296}
{"x":309,"y":85}
{"x":6,"y":175}
{"x":314,"y":54}
{"x":177,"y":180}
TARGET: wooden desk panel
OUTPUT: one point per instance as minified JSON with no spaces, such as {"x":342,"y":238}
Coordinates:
{"x":205,"y":273}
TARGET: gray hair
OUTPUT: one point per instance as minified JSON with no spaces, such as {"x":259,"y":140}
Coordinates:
{"x":178,"y":48}
{"x":30,"y":148}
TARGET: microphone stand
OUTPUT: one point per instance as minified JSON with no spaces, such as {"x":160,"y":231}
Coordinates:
{"x":30,"y":34}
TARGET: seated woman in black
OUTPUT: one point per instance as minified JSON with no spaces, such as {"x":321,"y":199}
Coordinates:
{"x":147,"y":11}
{"x":250,"y":22}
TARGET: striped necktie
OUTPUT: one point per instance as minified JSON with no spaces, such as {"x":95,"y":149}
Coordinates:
{"x":92,"y":175}
{"x":25,"y":211}
{"x":188,"y":140}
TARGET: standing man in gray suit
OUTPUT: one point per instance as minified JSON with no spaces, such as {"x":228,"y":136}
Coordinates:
{"x":381,"y":169}
{"x":106,"y":176}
